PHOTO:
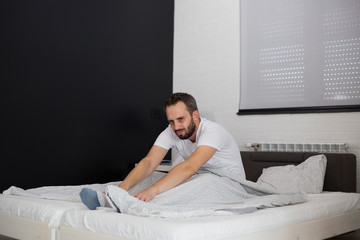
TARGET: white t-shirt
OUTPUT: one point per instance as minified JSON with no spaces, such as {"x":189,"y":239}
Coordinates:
{"x":227,"y":157}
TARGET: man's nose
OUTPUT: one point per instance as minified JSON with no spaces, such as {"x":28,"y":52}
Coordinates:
{"x":177,"y":126}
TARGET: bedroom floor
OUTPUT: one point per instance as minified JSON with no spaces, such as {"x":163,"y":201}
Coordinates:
{"x":350,"y":236}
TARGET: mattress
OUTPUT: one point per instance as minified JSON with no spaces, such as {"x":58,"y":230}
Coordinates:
{"x":209,"y":228}
{"x":41,"y":210}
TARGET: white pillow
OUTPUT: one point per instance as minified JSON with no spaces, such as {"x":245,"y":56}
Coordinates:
{"x":307,"y":177}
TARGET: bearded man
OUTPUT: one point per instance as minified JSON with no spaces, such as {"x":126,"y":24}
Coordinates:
{"x":203,"y":144}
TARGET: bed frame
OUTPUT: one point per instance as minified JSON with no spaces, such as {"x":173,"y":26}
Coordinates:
{"x":340,"y":176}
{"x":23,"y":228}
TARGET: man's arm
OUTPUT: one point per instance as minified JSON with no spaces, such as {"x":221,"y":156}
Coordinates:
{"x":178,"y":174}
{"x":145,"y":167}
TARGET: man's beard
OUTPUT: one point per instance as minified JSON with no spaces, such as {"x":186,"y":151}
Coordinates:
{"x":188,"y":132}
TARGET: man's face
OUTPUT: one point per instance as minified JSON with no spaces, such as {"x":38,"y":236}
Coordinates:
{"x":180,"y":120}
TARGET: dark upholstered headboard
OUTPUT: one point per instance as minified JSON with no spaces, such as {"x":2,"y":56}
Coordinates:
{"x":340,"y":168}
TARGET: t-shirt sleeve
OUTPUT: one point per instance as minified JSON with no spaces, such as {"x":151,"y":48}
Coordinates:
{"x":165,"y":139}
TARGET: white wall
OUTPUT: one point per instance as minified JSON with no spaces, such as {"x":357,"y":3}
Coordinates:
{"x":206,"y":64}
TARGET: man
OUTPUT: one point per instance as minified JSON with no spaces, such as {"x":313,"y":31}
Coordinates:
{"x":203,"y":144}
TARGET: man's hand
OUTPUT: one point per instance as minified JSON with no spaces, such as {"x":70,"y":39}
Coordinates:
{"x":146,"y":195}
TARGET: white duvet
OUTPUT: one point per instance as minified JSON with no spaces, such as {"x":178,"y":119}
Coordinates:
{"x":204,"y":194}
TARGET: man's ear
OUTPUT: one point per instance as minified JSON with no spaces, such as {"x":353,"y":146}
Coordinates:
{"x":195,"y":115}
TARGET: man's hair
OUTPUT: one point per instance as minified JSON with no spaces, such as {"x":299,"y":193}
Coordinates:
{"x":182,"y":97}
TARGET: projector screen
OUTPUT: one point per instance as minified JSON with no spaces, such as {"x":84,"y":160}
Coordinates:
{"x":299,"y":56}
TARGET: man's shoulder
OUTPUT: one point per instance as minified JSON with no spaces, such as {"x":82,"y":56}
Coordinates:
{"x":213,"y":129}
{"x":210,"y":125}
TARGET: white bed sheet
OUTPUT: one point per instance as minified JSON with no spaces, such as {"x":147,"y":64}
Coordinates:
{"x":148,"y":228}
{"x":42,"y":210}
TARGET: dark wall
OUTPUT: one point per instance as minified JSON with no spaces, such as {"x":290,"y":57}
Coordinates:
{"x":82,"y":87}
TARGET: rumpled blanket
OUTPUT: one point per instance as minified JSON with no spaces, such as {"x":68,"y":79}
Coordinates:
{"x":204,"y":194}
{"x":62,"y":193}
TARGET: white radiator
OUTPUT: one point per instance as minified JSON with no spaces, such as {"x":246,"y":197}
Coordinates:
{"x":300,"y":147}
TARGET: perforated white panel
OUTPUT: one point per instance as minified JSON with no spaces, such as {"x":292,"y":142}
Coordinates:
{"x":299,"y":53}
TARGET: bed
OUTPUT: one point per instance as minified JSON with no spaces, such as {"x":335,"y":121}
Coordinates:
{"x":333,"y":212}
